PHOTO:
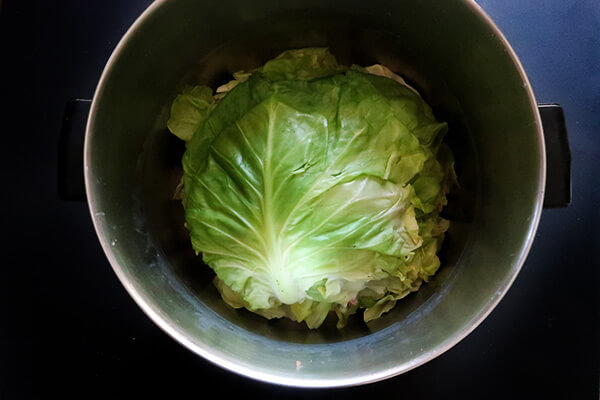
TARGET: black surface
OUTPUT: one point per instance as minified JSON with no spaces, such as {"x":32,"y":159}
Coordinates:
{"x":71,"y":181}
{"x":69,"y":329}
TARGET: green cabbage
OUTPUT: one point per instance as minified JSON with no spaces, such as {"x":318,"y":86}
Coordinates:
{"x":311,"y":188}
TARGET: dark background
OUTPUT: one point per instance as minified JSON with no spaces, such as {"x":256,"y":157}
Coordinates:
{"x":69,"y":329}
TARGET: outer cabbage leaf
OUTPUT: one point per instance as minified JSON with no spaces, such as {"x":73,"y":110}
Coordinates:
{"x":189,"y":109}
{"x":301,"y":64}
{"x":382,"y":70}
{"x":238,"y":77}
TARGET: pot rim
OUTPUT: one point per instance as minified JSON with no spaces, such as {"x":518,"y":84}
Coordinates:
{"x":369,"y":377}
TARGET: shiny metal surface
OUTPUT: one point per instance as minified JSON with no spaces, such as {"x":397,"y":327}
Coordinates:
{"x":466,"y":70}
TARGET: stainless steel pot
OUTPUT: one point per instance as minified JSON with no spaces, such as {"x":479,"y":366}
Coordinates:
{"x":465,"y":69}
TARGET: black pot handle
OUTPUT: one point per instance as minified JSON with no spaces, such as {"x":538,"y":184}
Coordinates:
{"x":71,"y":184}
{"x":558,"y":156}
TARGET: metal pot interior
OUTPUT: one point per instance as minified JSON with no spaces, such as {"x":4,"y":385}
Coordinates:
{"x":445,"y":49}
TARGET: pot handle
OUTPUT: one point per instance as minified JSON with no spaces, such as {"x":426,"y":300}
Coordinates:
{"x":558,"y":156}
{"x":71,"y":183}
